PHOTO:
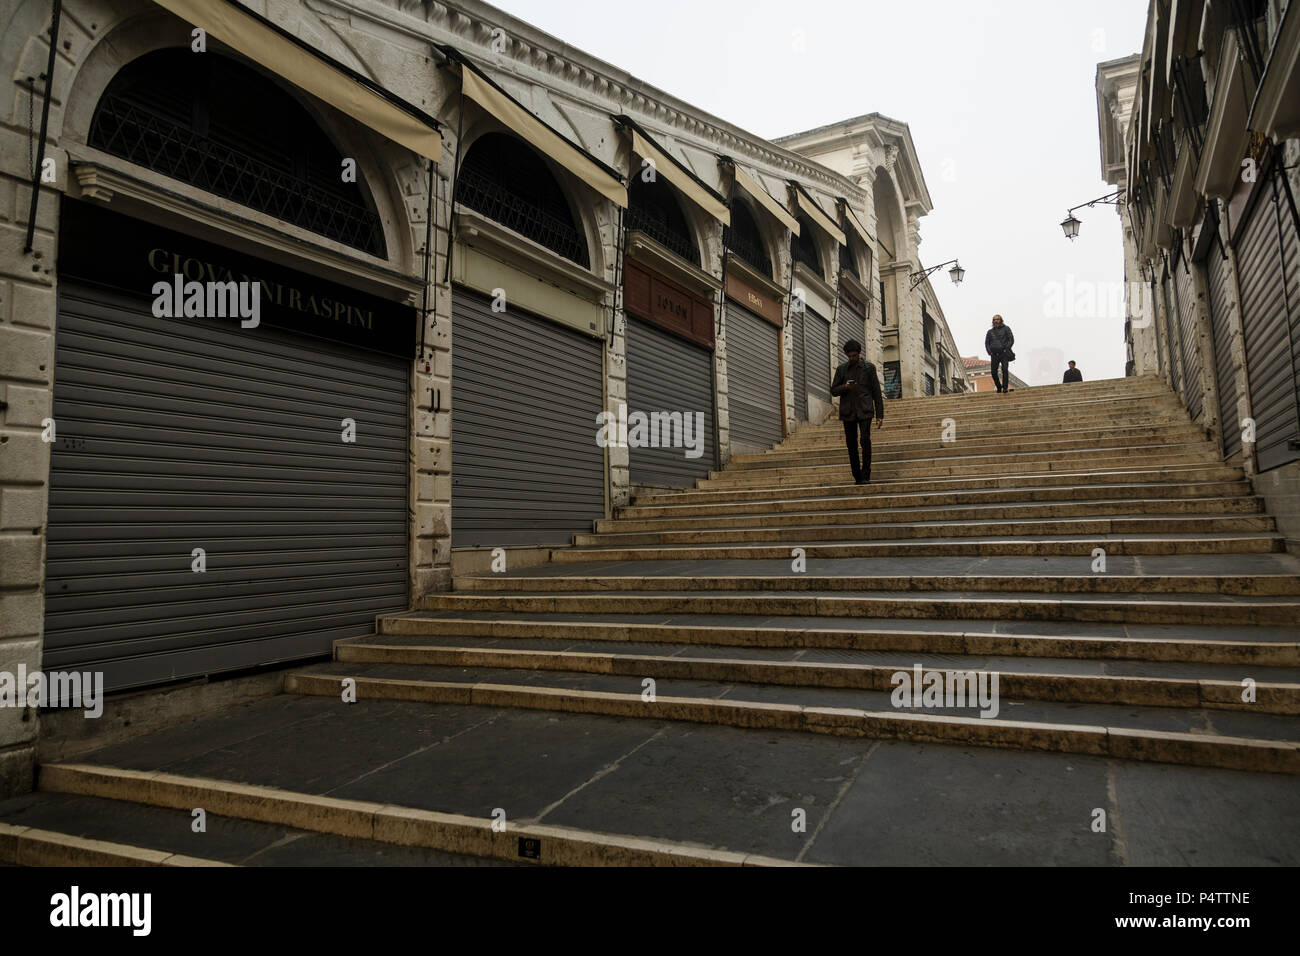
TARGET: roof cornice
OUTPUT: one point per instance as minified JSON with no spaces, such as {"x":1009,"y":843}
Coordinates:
{"x":536,"y":56}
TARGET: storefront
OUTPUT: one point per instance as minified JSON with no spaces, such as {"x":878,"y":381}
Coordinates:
{"x":1268,"y":262}
{"x":228,"y":486}
{"x":755,"y":383}
{"x":527,"y":365}
{"x":670,"y":341}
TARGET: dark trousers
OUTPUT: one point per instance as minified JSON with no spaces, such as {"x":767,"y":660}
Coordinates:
{"x":852,"y":431}
{"x":1000,"y":361}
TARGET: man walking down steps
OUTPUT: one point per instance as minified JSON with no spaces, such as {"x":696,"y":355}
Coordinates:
{"x":858,"y":387}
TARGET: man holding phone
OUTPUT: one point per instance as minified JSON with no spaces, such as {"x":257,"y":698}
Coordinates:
{"x":858,"y":387}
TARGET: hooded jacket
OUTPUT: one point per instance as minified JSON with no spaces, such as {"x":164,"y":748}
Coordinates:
{"x":998,"y":339}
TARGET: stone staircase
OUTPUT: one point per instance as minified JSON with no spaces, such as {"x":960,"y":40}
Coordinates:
{"x":779,"y":595}
{"x":666,"y":689}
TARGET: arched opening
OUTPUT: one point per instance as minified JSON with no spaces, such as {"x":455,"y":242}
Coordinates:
{"x":653,"y":209}
{"x":225,"y":128}
{"x":502,"y":177}
{"x":745,"y":240}
{"x":803,"y":247}
{"x":848,"y":261}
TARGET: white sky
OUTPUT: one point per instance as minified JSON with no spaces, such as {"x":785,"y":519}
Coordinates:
{"x":1001,"y":100}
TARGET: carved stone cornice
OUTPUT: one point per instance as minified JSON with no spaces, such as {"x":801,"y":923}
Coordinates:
{"x":529,"y":54}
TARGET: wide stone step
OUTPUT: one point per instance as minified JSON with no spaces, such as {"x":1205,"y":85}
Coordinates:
{"x":930,"y":468}
{"x":411,"y":832}
{"x":64,"y":829}
{"x":858,"y":532}
{"x":909,"y":446}
{"x":1134,"y":608}
{"x":829,"y":501}
{"x":965,"y":547}
{"x":1235,"y":740}
{"x":1201,"y":452}
{"x":999,"y":513}
{"x":828,"y":433}
{"x":1265,"y":690}
{"x":1176,"y":475}
{"x":1195,"y":643}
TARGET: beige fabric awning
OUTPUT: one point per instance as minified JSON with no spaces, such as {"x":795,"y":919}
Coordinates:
{"x":814,"y":212}
{"x":312,"y":71}
{"x":856,"y":225}
{"x":751,"y":186}
{"x":671,"y":170}
{"x":519,"y":120}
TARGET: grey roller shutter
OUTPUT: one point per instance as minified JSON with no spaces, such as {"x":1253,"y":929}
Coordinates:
{"x":1269,"y":331}
{"x":1218,"y":278}
{"x":177,"y":434}
{"x":525,"y":396}
{"x":1171,"y":331}
{"x":668,"y":374}
{"x":851,"y":326}
{"x":799,"y":346}
{"x":817,"y":335}
{"x":753,"y":378}
{"x":1185,"y":296}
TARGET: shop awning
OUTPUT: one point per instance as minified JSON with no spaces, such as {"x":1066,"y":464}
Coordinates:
{"x":764,"y":198}
{"x":814,"y":212}
{"x":519,"y":120}
{"x":285,"y":55}
{"x":855,"y":224}
{"x":690,"y":185}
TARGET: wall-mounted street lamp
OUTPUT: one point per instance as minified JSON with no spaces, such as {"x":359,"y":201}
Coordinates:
{"x":1070,"y":225}
{"x":956,"y":273}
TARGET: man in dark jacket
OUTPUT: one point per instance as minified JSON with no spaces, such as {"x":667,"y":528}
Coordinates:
{"x":858,"y":387}
{"x":997,"y":342}
{"x":1072,"y":374}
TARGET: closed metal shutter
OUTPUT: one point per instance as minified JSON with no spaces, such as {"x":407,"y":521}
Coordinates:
{"x":799,"y":346}
{"x":1171,"y":329}
{"x":753,"y":378}
{"x":851,"y":326}
{"x":817,"y":356}
{"x":1185,"y":296}
{"x":668,"y":374}
{"x":1269,"y":331}
{"x":525,"y":395}
{"x":1218,"y":278}
{"x":179,"y":434}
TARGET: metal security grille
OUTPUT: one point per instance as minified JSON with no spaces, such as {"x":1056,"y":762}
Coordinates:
{"x":525,"y":396}
{"x":653,"y":209}
{"x":175,"y":435}
{"x":928,"y":381}
{"x":1268,"y":259}
{"x":502,"y":178}
{"x":799,"y":348}
{"x":817,"y":355}
{"x":170,"y":111}
{"x":1171,"y":330}
{"x":668,"y":374}
{"x":1221,"y":321}
{"x":891,"y":385}
{"x":753,"y":378}
{"x":498,"y":203}
{"x":744,"y":239}
{"x":1185,"y":297}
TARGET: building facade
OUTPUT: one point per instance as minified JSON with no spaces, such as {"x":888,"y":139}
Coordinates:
{"x":317,"y":302}
{"x":1201,"y":132}
{"x":909,"y":338}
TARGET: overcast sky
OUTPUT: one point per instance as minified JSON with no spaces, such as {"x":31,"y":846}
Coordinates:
{"x":1001,"y":100}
